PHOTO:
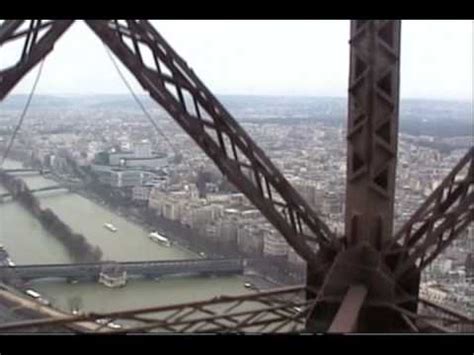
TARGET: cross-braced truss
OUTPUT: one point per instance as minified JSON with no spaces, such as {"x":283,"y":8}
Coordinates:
{"x":38,"y":38}
{"x":372,"y":130}
{"x":279,"y":310}
{"x":169,"y":80}
{"x":438,"y":221}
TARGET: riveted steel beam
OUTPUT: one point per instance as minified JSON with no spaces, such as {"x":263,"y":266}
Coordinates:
{"x":175,"y":86}
{"x":38,"y":40}
{"x":347,"y":316}
{"x":372,"y":133}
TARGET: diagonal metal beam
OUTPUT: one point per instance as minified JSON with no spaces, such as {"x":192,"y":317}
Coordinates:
{"x":419,"y":321}
{"x":347,"y":316}
{"x":35,"y":49}
{"x":448,"y":311}
{"x":440,"y":200}
{"x":438,"y":221}
{"x":188,"y":101}
{"x":216,"y":301}
{"x":410,"y":323}
{"x":7,"y":28}
{"x":437,"y":240}
{"x":13,"y":35}
{"x":372,"y":133}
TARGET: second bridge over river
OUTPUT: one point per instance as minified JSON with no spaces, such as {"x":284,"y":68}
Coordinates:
{"x":41,"y":189}
{"x":134,"y":269}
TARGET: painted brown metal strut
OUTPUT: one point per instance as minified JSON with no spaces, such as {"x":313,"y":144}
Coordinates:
{"x":372,"y":133}
{"x":171,"y":83}
{"x":372,"y":137}
{"x":277,"y":310}
{"x":366,"y":279}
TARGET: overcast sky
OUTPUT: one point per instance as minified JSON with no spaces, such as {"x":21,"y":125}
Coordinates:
{"x":267,"y":58}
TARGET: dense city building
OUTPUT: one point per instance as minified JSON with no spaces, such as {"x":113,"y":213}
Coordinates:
{"x":188,"y":190}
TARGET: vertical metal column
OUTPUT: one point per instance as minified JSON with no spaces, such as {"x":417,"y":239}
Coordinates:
{"x":372,"y":133}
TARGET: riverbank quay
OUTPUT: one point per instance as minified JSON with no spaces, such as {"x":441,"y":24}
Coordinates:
{"x":273,"y":270}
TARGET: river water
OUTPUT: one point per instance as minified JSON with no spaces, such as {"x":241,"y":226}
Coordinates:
{"x":28,"y":243}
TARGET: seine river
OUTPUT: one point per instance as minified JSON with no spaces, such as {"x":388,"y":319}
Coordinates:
{"x":28,"y":243}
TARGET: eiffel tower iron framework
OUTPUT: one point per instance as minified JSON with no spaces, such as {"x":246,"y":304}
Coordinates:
{"x":366,"y":280}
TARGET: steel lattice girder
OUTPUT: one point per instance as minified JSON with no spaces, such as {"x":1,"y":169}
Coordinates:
{"x":38,"y":39}
{"x":170,"y":82}
{"x":372,"y":130}
{"x":435,"y":318}
{"x":438,"y":221}
{"x":372,"y":139}
{"x":278,"y":310}
{"x":346,"y":318}
{"x":199,"y":113}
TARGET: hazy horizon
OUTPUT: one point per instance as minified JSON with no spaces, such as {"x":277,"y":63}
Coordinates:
{"x":144,"y":94}
{"x":299,"y":58}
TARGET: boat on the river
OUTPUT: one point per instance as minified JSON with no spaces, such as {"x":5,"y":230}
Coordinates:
{"x":33,"y":294}
{"x":158,"y":238}
{"x":110,"y":227}
{"x":37,"y":296}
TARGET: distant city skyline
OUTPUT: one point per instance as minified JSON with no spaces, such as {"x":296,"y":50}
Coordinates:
{"x":265,"y":58}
